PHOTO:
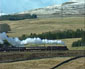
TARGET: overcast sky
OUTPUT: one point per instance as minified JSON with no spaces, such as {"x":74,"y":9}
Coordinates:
{"x":14,"y":6}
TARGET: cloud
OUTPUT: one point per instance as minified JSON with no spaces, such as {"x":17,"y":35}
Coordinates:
{"x":2,"y":14}
{"x":82,"y":1}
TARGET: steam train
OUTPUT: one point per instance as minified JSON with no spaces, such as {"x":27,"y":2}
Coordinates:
{"x":11,"y":48}
{"x":42,"y":48}
{"x":36,"y":48}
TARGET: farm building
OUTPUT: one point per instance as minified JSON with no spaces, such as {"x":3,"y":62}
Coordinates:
{"x":4,"y":27}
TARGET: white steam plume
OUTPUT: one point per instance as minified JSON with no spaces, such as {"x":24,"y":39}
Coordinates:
{"x":18,"y":43}
{"x":41,"y":41}
{"x":1,"y":42}
{"x":13,"y":41}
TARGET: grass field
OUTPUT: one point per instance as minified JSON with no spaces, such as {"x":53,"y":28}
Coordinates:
{"x":69,"y":42}
{"x":39,"y":25}
{"x":45,"y":64}
{"x":28,"y":26}
{"x":34,"y":64}
{"x":76,"y":64}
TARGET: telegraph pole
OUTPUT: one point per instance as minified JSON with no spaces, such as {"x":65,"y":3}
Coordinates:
{"x":84,"y":15}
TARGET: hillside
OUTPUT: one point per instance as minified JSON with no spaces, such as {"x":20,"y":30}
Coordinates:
{"x":29,"y":26}
{"x":64,"y":9}
{"x":68,"y":8}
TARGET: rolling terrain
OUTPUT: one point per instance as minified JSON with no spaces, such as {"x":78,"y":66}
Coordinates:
{"x":45,"y":64}
{"x":50,"y":21}
{"x":65,"y":9}
{"x":34,"y":64}
{"x":75,"y":64}
{"x":40,"y":25}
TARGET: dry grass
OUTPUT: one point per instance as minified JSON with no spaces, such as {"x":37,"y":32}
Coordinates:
{"x":69,"y":42}
{"x":45,"y":64}
{"x":43,"y":25}
{"x":28,"y":26}
{"x":18,"y":28}
{"x":75,"y":64}
{"x":34,"y":64}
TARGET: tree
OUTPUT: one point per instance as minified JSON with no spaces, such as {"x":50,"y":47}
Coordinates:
{"x":1,"y":45}
{"x":34,"y":16}
{"x":83,"y":37}
{"x":6,"y":43}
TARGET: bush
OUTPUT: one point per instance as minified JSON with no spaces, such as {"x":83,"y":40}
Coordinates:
{"x":78,"y":43}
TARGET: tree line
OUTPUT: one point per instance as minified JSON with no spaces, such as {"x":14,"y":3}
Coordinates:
{"x":56,"y":34}
{"x":18,"y":17}
{"x":53,"y":35}
{"x":79,"y":42}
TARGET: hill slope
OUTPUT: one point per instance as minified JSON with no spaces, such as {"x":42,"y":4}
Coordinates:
{"x":68,"y":8}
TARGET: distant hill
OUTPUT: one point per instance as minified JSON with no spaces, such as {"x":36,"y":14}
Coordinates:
{"x":67,"y":8}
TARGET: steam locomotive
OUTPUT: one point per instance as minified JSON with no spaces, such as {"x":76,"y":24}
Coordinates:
{"x":36,"y":48}
{"x":13,"y":48}
{"x":47,"y":48}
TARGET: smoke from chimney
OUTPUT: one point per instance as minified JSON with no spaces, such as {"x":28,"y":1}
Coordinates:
{"x":19,"y":43}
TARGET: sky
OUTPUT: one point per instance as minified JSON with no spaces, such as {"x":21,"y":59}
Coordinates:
{"x":78,"y":0}
{"x":15,"y":6}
